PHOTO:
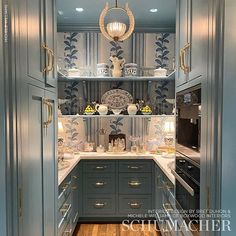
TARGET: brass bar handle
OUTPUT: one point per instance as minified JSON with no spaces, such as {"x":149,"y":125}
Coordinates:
{"x":134,"y":184}
{"x":101,"y":167}
{"x":135,"y":205}
{"x":68,"y":232}
{"x":75,"y":177}
{"x":65,"y":208}
{"x":66,"y":185}
{"x":74,"y":188}
{"x":100,"y":205}
{"x":181,"y":59}
{"x":46,"y":123}
{"x":46,"y":69}
{"x":51,"y":62}
{"x":100,"y":184}
{"x":183,"y":65}
{"x":50,"y":112}
{"x":135,"y":167}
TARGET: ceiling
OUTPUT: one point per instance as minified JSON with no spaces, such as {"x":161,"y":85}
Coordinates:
{"x":69,"y":18}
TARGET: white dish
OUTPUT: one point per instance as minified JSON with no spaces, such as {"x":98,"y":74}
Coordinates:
{"x":117,"y":99}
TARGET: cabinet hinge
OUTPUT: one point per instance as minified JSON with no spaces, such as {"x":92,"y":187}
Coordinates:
{"x":20,"y":202}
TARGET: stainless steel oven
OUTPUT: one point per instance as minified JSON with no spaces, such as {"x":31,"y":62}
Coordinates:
{"x":188,"y":138}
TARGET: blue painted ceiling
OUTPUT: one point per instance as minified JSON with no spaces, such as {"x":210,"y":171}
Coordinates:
{"x":164,"y":18}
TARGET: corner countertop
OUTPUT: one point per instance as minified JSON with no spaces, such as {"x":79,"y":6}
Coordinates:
{"x":164,"y":163}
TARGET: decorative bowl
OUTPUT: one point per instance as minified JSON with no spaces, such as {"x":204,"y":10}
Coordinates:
{"x":160,"y":72}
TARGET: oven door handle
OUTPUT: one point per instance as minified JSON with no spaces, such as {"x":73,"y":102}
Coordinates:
{"x":183,"y":183}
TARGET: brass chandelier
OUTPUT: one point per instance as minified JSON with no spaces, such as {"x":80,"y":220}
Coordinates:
{"x":116,"y":31}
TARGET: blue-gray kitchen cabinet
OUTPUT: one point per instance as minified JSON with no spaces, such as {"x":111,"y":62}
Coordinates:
{"x":36,"y":119}
{"x":112,"y":189}
{"x":191,"y":40}
{"x":75,"y":196}
{"x":38,"y":42}
{"x":68,"y":203}
{"x":64,"y":207}
{"x":38,"y":174}
{"x":165,"y":203}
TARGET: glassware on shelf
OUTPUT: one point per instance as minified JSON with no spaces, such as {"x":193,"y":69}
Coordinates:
{"x":117,"y":146}
{"x":142,"y":148}
{"x":88,"y":146}
{"x":169,"y":141}
{"x":134,"y":145}
{"x":100,"y":149}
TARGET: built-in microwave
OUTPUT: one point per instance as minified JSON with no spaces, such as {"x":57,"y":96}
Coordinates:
{"x":188,"y":123}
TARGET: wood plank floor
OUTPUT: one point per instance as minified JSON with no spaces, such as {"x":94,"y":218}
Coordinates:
{"x":114,"y":230}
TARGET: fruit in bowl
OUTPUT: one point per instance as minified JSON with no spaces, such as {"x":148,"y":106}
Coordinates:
{"x":89,"y":110}
{"x":146,"y":110}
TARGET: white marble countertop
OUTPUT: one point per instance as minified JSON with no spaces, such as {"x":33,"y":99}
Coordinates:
{"x":163,"y":162}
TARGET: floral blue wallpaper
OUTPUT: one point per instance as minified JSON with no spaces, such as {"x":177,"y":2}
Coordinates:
{"x":70,"y":50}
{"x":162,"y":51}
{"x":84,"y":51}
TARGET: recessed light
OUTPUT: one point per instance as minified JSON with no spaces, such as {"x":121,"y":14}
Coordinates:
{"x":153,"y":10}
{"x":79,"y":9}
{"x":60,"y":13}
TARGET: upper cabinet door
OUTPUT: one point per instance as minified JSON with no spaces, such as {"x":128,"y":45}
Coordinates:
{"x":50,"y":43}
{"x":182,"y":25}
{"x":198,"y":38}
{"x":32,"y":55}
{"x":192,"y":38}
{"x":37,"y":48}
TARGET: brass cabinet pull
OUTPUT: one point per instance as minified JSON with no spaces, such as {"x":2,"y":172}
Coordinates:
{"x":100,"y":167}
{"x":74,"y":188}
{"x":135,"y":167}
{"x":134,"y":183}
{"x":68,"y":232}
{"x":51,"y":60}
{"x":66,"y":185}
{"x":100,"y":184}
{"x":183,"y":65}
{"x":75,"y":177}
{"x":50,"y":112}
{"x":65,"y":209}
{"x":135,"y":205}
{"x":99,"y":205}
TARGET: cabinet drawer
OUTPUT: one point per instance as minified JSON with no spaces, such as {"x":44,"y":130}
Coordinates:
{"x":130,"y":204}
{"x":135,"y":183}
{"x":99,"y":183}
{"x":64,"y":215}
{"x":135,"y":166}
{"x":99,"y":166}
{"x":74,"y":177}
{"x":64,"y":191}
{"x":99,"y":205}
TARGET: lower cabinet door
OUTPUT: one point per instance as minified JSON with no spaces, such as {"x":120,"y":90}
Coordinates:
{"x":32,"y":162}
{"x":99,"y":205}
{"x":135,"y":183}
{"x":100,"y":183}
{"x":134,"y":204}
{"x":75,"y":197}
{"x":64,"y":217}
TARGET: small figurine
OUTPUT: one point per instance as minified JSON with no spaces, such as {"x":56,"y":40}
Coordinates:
{"x":118,"y":65}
